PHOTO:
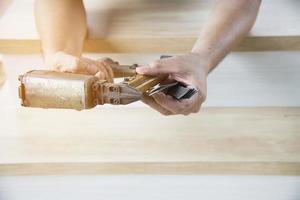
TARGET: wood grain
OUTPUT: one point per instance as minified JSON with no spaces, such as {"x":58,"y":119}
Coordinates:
{"x":138,"y":140}
{"x":154,"y":26}
{"x":168,"y":168}
{"x":154,"y":45}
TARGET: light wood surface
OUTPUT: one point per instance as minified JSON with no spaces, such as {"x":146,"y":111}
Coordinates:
{"x":153,"y":26}
{"x":138,"y":140}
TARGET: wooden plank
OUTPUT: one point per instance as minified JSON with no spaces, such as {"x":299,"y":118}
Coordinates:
{"x":150,"y":45}
{"x":171,"y":168}
{"x":138,"y":140}
{"x":146,"y":26}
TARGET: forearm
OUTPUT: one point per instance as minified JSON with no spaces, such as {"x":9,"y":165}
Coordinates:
{"x":61,"y":25}
{"x":229,"y":23}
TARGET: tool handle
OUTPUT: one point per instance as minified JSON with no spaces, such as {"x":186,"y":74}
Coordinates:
{"x":126,"y":70}
{"x":123,"y":70}
{"x":120,"y":70}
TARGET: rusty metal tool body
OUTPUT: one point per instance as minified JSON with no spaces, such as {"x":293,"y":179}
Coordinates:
{"x":49,"y":89}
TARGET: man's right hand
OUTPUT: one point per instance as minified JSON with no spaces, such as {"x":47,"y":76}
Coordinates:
{"x":63,"y":62}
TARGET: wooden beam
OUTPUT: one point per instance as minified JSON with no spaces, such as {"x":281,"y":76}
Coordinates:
{"x":170,"y":168}
{"x":139,"y":140}
{"x":154,"y":45}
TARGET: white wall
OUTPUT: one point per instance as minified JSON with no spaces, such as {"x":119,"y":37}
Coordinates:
{"x":150,"y":187}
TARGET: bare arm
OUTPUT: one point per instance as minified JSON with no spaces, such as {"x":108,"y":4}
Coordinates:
{"x":62,"y":28}
{"x":61,"y":25}
{"x":229,"y":23}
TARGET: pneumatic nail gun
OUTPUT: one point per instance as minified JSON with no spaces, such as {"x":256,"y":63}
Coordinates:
{"x":50,"y":89}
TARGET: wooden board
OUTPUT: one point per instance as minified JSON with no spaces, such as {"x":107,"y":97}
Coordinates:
{"x":153,"y":26}
{"x":138,"y":140}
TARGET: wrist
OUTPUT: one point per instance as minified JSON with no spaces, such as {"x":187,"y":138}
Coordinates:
{"x":50,"y":58}
{"x":54,"y":59}
{"x":203,"y":61}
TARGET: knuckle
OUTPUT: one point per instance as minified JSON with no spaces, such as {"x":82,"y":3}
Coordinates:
{"x":72,"y":66}
{"x":196,"y":110}
{"x":183,"y":107}
{"x":186,"y":105}
{"x":186,"y":113}
{"x":106,"y":59}
{"x":71,"y":70}
{"x":64,"y":69}
{"x":165,"y":113}
{"x":181,"y":110}
{"x":202,"y":96}
{"x":145,"y":101}
{"x":55,"y":68}
{"x":155,"y":65}
{"x":72,"y":62}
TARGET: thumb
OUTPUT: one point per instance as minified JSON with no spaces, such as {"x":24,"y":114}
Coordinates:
{"x":146,"y":70}
{"x":163,"y":66}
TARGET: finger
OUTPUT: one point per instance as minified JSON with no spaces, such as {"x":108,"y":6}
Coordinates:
{"x":102,"y":68}
{"x":167,"y":81}
{"x":169,"y":103}
{"x":196,"y":102}
{"x":194,"y":108}
{"x":67,"y":65}
{"x":88,"y":66}
{"x":162,"y":66}
{"x":106,"y":59}
{"x":110,"y":75}
{"x":150,"y":101}
{"x":108,"y":62}
{"x":64,"y":62}
{"x":109,"y":71}
{"x":93,"y":67}
{"x":198,"y":98}
{"x":100,"y":75}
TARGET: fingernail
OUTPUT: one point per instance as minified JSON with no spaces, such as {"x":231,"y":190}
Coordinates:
{"x":142,"y":69}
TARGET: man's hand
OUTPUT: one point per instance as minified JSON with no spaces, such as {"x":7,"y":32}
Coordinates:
{"x":189,"y":69}
{"x":63,"y":62}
